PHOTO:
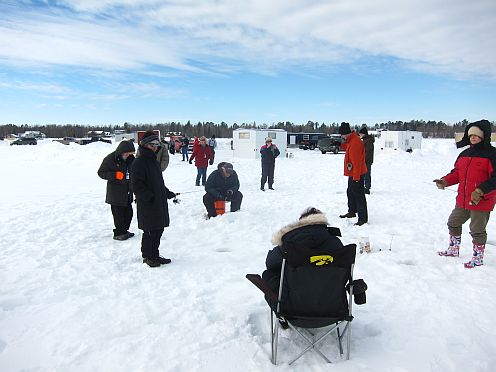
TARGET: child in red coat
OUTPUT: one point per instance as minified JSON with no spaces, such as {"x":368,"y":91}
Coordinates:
{"x":475,"y":174}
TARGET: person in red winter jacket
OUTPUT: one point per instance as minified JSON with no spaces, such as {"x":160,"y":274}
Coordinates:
{"x":355,"y":169}
{"x":475,"y":174}
{"x":203,"y":156}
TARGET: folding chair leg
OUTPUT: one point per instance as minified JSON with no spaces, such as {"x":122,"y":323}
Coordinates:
{"x":312,"y":344}
{"x":340,"y":344}
{"x":274,"y":330}
{"x":348,"y":341}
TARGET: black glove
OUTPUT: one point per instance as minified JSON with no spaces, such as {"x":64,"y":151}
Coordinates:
{"x":229,"y":195}
{"x":191,"y":161}
{"x":211,"y":161}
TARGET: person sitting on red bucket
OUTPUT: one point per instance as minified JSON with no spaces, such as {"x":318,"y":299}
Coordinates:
{"x":222,"y":184}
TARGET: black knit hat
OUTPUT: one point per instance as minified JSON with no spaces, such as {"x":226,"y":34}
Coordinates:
{"x":344,"y":128}
{"x":363,"y":130}
{"x":148,"y":137}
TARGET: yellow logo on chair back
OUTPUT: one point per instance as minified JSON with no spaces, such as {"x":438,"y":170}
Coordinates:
{"x":321,"y":260}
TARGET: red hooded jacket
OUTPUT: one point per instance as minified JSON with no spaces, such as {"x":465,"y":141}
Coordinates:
{"x":202,"y":155}
{"x":475,"y":168}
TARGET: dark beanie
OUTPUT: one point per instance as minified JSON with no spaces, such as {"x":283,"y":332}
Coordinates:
{"x":344,"y":128}
{"x":148,"y":137}
{"x":363,"y":130}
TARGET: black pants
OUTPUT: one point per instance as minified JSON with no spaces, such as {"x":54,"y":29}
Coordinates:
{"x":209,"y":200}
{"x":150,"y":242}
{"x":356,"y":199}
{"x":267,"y":174}
{"x":122,"y":218}
{"x":367,"y":180}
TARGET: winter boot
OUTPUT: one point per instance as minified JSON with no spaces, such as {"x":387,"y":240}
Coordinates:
{"x":348,"y":215}
{"x":453,"y":248}
{"x":477,"y":257}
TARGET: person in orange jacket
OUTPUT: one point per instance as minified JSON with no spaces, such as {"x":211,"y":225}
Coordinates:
{"x":354,"y":169}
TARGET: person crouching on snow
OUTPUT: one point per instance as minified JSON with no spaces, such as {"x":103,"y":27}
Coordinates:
{"x":222,"y":184}
{"x":475,"y":174}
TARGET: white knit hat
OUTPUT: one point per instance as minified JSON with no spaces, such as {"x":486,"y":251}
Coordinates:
{"x":475,"y":131}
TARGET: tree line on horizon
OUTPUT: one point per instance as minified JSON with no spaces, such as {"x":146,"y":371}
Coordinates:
{"x":429,"y":129}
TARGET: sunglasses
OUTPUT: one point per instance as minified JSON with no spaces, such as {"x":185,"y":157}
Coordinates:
{"x":154,"y":144}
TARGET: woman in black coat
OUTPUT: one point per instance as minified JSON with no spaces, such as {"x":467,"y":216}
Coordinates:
{"x":115,"y":168}
{"x":151,"y":198}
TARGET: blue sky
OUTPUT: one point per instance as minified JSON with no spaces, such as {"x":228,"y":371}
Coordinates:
{"x":149,"y":61}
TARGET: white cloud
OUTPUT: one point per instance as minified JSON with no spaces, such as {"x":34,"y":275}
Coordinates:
{"x":442,"y":36}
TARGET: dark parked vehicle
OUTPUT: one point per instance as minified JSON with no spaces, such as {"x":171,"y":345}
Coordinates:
{"x":65,"y":140}
{"x":85,"y":141}
{"x":334,"y":143}
{"x":305,"y":141}
{"x":24,"y":141}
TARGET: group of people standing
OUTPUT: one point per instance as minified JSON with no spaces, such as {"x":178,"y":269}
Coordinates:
{"x":142,"y":176}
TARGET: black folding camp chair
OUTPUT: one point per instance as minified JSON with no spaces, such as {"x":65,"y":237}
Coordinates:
{"x":312,"y":299}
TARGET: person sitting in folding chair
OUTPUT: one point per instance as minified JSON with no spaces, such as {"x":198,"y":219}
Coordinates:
{"x":310,"y":232}
{"x":305,"y":284}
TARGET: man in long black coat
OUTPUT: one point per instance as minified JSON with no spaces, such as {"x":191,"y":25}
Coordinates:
{"x":222,"y":184}
{"x":269,"y":153}
{"x":115,"y":169}
{"x":151,"y":198}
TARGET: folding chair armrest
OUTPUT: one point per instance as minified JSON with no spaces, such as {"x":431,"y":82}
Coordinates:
{"x":261,"y":284}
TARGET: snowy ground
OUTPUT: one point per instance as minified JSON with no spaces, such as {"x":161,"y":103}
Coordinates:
{"x":73,"y":299}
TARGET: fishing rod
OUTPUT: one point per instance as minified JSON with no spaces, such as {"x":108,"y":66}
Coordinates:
{"x":446,"y":188}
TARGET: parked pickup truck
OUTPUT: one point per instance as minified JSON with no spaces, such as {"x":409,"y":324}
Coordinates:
{"x":24,"y":141}
{"x":334,"y":143}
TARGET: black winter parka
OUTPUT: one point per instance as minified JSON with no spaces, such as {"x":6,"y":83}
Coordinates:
{"x":217,"y":185}
{"x":118,"y":191}
{"x":151,"y":193}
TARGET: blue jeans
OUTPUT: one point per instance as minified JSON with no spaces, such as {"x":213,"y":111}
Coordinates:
{"x":184,"y":151}
{"x":202,"y":172}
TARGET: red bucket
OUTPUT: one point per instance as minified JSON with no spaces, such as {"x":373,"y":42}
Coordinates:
{"x":220,"y":206}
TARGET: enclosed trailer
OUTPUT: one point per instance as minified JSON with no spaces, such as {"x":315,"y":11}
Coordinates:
{"x":305,"y":140}
{"x":247,"y":142}
{"x":406,"y":140}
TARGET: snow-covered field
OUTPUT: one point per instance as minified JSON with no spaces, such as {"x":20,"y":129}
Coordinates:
{"x":73,"y":299}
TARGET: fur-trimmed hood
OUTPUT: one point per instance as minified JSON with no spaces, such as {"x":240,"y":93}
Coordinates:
{"x":313,"y":219}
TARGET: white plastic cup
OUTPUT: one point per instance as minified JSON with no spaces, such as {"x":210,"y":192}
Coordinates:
{"x":364,"y":245}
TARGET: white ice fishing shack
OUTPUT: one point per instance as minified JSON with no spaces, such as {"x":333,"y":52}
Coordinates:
{"x":247,"y":142}
{"x":407,"y":140}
